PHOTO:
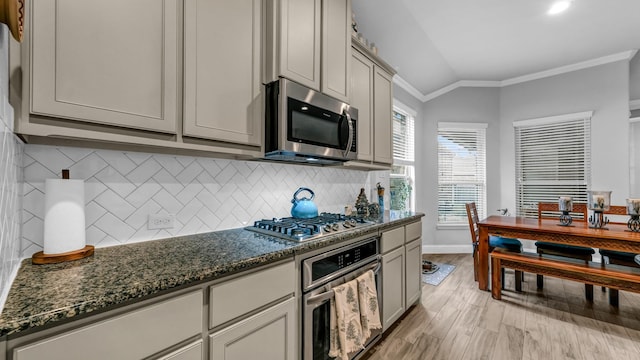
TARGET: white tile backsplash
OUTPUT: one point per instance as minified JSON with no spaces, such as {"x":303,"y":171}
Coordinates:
{"x":10,"y":208}
{"x":123,"y":188}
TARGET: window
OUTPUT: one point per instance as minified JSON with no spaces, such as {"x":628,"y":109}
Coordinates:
{"x":553,"y":158}
{"x":461,"y":171}
{"x":402,"y":175}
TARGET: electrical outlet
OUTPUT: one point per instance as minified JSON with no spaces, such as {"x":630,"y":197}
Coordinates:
{"x":160,"y":221}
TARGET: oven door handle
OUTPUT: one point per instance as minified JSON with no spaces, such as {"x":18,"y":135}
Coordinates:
{"x":322,"y":297}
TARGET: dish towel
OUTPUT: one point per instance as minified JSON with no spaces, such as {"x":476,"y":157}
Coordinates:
{"x":344,"y":321}
{"x":368,"y":299}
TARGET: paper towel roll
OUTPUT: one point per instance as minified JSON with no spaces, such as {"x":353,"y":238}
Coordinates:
{"x":64,"y":224}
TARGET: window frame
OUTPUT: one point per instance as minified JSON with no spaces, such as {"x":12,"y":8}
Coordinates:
{"x":399,"y":107}
{"x":481,"y":130}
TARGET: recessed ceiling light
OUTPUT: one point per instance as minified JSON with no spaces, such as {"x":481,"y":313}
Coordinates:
{"x":558,"y":7}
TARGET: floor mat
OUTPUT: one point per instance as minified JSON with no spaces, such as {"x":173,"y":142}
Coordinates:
{"x":435,"y":278}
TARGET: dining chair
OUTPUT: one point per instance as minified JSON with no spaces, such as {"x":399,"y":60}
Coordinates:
{"x":508,"y":244}
{"x":548,"y":210}
{"x":617,"y":257}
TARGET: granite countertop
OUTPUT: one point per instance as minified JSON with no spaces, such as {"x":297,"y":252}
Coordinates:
{"x":44,"y":294}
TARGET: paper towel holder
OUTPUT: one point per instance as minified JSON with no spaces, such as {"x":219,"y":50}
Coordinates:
{"x":41,"y":258}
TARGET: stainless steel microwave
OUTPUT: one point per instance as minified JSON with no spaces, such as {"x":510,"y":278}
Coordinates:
{"x":303,"y":125}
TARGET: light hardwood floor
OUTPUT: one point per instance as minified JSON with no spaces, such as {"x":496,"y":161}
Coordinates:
{"x":456,"y":320}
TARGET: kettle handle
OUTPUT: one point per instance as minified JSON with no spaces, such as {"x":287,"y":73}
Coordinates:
{"x":294,"y":200}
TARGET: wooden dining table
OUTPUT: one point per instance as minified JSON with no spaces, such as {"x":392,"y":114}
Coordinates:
{"x":615,"y":237}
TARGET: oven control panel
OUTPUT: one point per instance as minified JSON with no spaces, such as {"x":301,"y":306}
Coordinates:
{"x":334,"y":262}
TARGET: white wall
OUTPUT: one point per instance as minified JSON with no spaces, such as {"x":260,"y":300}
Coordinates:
{"x":605,"y":91}
{"x":477,"y":105}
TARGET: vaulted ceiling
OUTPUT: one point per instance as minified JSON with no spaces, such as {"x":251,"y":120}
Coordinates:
{"x":435,"y":43}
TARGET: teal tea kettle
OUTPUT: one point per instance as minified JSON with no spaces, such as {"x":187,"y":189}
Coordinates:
{"x":303,"y":208}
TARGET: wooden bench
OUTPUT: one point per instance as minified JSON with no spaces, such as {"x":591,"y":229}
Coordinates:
{"x":611,"y":276}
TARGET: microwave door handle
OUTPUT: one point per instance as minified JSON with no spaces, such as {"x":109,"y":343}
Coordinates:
{"x":350,"y":141}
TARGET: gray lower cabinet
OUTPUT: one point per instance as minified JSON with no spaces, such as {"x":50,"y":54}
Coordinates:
{"x":393,"y":268}
{"x":133,"y":335}
{"x":268,"y":335}
{"x":401,"y":250}
{"x":250,"y":315}
{"x":189,"y":352}
{"x":413,"y":271}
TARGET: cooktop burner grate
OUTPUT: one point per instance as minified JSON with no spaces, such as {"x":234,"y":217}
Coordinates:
{"x":307,"y":229}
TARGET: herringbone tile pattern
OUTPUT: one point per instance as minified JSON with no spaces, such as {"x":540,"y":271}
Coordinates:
{"x":10,"y":192}
{"x":204,"y":194}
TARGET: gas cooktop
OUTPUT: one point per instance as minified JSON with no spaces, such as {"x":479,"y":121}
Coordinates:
{"x":307,"y":229}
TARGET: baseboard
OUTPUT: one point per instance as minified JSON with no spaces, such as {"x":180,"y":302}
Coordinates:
{"x":447,"y":249}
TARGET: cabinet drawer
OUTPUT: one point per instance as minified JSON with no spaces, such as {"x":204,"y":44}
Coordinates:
{"x":413,"y":231}
{"x":134,"y":335}
{"x":239,"y":296}
{"x":392,"y":239}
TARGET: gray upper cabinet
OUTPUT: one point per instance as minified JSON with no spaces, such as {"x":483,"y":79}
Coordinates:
{"x":297,"y":34}
{"x":372,"y":94}
{"x":222,"y":81}
{"x":308,"y":42}
{"x":382,"y":114}
{"x":336,"y":48}
{"x":362,"y":99}
{"x":107,"y":62}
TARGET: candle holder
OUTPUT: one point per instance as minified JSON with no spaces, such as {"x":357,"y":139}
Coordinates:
{"x":633,"y":209}
{"x":565,"y":204}
{"x":598,"y":202}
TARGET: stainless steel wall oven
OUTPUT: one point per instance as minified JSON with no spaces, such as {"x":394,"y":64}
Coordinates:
{"x":320,"y":274}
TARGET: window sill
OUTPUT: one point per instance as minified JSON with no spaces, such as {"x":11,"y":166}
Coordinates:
{"x":452,"y":227}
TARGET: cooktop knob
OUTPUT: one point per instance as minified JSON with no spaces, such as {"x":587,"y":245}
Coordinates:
{"x":327,"y":228}
{"x":335,"y":226}
{"x":352,"y":222}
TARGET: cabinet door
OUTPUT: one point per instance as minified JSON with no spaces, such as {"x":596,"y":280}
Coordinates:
{"x":300,"y":41}
{"x":189,"y":352}
{"x":413,"y":272}
{"x":361,"y":98}
{"x":268,"y":335}
{"x":336,"y":48}
{"x":110,"y":62}
{"x":382,"y":114}
{"x":222,"y":97}
{"x":393,"y":287}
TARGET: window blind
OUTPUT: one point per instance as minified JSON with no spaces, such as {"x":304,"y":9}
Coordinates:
{"x":553,"y":159}
{"x":401,"y":178}
{"x":403,"y":139}
{"x":461,"y":171}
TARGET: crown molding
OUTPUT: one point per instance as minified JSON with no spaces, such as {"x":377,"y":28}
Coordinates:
{"x":461,"y":83}
{"x":625,"y":55}
{"x":402,"y":83}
